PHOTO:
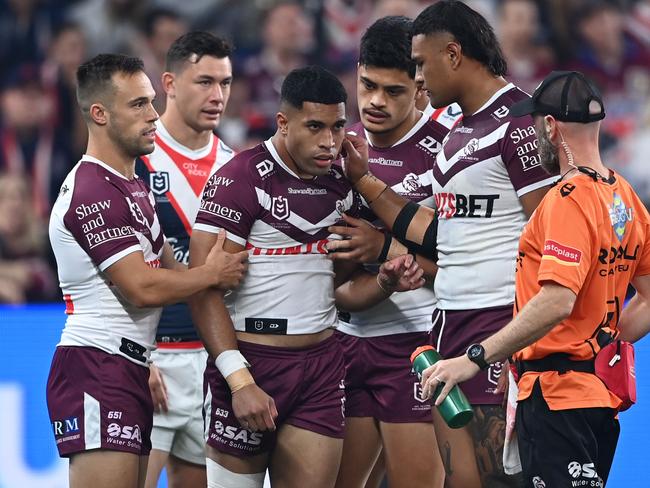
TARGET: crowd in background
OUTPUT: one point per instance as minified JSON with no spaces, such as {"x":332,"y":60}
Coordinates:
{"x":42,"y":42}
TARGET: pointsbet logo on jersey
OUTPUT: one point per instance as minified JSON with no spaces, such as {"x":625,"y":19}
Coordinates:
{"x":561,"y":254}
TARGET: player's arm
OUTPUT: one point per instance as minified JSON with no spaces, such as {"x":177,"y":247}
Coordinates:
{"x":635,"y":318}
{"x":252,"y":407}
{"x":531,"y":200}
{"x":408,"y":221}
{"x":144,"y":286}
{"x":363,"y":290}
{"x":364,"y":243}
{"x":168,"y":261}
{"x":552,"y":304}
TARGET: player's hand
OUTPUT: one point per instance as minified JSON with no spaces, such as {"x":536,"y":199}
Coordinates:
{"x":450,"y":372}
{"x":158,"y":389}
{"x":362,"y":242}
{"x":402,"y":273}
{"x":355,"y":153}
{"x":229,"y":268}
{"x":254,"y":409}
{"x":503,"y":383}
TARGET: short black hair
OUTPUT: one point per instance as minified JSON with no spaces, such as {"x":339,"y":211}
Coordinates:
{"x":196,"y":43}
{"x":387,"y":44}
{"x":94,"y":77}
{"x":312,"y":84}
{"x":470,"y":29}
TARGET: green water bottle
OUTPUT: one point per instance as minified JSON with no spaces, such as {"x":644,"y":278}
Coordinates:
{"x":455,"y":409}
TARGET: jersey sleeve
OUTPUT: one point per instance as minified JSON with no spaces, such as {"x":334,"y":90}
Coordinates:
{"x":230,"y":202}
{"x":103,"y":226}
{"x":644,"y":263}
{"x":567,"y":249}
{"x":520,"y":156}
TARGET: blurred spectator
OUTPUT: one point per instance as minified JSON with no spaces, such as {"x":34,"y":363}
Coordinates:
{"x":638,"y":22}
{"x":25,"y":31}
{"x":606,"y":52}
{"x":385,"y":8}
{"x":341,"y":25}
{"x":287,"y":41}
{"x":109,"y":25}
{"x":161,"y":28}
{"x":30,"y":143}
{"x":520,"y":33}
{"x":24,"y":273}
{"x":66,"y":52}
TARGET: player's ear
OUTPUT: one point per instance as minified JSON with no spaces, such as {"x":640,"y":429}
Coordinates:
{"x":98,"y":114}
{"x":168,"y":78}
{"x":283,"y":123}
{"x":454,"y":54}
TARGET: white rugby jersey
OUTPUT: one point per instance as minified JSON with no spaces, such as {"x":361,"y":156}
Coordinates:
{"x":487,"y":162}
{"x":98,"y":218}
{"x":282,"y":220}
{"x":176,"y":175}
{"x":406,"y":167}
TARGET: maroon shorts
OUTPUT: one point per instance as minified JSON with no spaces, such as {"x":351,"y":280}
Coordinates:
{"x":98,"y":400}
{"x":379,"y":381}
{"x":455,"y":330}
{"x":305,"y":383}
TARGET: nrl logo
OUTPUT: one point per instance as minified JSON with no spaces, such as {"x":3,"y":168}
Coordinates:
{"x":417,"y":392}
{"x":280,"y":208}
{"x":159,"y":182}
{"x":494,"y":372}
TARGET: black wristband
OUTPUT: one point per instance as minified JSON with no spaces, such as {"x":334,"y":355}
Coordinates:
{"x":388,"y":239}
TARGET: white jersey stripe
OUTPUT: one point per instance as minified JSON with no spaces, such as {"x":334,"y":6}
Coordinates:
{"x":92,"y":423}
{"x":535,"y":186}
{"x":488,"y":140}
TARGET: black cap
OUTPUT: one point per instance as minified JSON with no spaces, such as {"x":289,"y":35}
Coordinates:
{"x":566,"y":95}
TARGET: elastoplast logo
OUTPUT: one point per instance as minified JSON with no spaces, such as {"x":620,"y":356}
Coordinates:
{"x":561,"y":254}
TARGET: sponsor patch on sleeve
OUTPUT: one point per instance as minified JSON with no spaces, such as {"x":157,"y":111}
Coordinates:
{"x":565,"y":255}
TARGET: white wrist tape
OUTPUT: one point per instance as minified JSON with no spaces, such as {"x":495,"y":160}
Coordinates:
{"x":230,"y":361}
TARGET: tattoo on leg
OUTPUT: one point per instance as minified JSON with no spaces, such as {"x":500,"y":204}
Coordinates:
{"x":488,"y":433}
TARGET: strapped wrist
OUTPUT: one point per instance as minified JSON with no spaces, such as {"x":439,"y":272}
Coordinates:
{"x":370,"y":187}
{"x":383,"y":255}
{"x":230,"y":361}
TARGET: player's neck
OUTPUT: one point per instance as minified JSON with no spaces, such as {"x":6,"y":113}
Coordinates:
{"x":477,"y":90}
{"x":112,"y":156}
{"x":387,"y":139}
{"x":184,"y":134}
{"x":280,"y":146}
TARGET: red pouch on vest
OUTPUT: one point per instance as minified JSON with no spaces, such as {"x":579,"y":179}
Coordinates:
{"x":615,"y":367}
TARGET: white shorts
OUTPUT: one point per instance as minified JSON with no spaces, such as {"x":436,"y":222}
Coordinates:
{"x":179,"y":431}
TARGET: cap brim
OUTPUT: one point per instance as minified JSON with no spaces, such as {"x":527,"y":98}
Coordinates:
{"x":523,"y":107}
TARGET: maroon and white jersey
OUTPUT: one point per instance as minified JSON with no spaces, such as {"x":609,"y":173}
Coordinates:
{"x":100,"y":217}
{"x":282,"y":220}
{"x":406,"y":167}
{"x":488,"y":160}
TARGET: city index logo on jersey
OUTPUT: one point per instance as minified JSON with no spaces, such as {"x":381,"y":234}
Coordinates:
{"x":561,"y":254}
{"x":456,"y":205}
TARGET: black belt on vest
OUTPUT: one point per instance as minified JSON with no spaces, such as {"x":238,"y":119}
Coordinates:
{"x":559,"y":362}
